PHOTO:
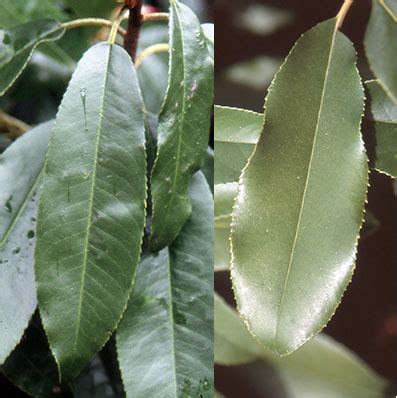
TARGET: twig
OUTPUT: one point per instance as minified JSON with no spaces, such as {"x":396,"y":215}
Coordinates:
{"x":342,"y":13}
{"x":92,"y":22}
{"x":15,"y":126}
{"x":155,"y":48}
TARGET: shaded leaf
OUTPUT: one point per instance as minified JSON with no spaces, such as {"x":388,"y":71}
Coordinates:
{"x":184,"y":125}
{"x":224,"y":198}
{"x":92,"y":209}
{"x":208,"y":29}
{"x":236,"y":133}
{"x":300,"y":203}
{"x":92,"y":8}
{"x":20,"y":173}
{"x":208,"y":168}
{"x":391,"y":7}
{"x":381,"y":46}
{"x":31,"y":366}
{"x":303,"y":373}
{"x":17,"y":45}
{"x":165,"y":339}
{"x":383,"y":112}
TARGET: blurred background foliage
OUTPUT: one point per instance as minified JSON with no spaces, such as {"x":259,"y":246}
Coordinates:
{"x":252,"y":39}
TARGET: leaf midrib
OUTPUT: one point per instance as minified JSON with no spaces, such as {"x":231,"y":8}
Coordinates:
{"x":91,"y":200}
{"x":280,"y":307}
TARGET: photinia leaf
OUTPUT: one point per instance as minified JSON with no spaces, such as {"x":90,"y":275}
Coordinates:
{"x":236,"y":133}
{"x":165,"y":339}
{"x":208,"y":29}
{"x":391,"y":7}
{"x":31,"y":366}
{"x":92,"y":208}
{"x":20,"y":173}
{"x":383,"y":112}
{"x":92,"y":8}
{"x":17,"y":45}
{"x":301,"y":196}
{"x":380,"y":49}
{"x":303,"y":373}
{"x":208,"y":168}
{"x":184,"y":125}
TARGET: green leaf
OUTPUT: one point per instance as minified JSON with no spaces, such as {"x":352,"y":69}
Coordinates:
{"x":236,"y":133}
{"x":391,"y":7}
{"x":383,"y":112}
{"x":303,"y":373}
{"x":153,"y":90}
{"x":92,"y":207}
{"x":208,"y":168}
{"x":165,"y":339}
{"x":92,"y":8}
{"x":208,"y":29}
{"x":20,"y":170}
{"x":381,"y":48}
{"x":184,"y":125}
{"x":224,"y":198}
{"x":31,"y":366}
{"x":301,"y":196}
{"x":17,"y":45}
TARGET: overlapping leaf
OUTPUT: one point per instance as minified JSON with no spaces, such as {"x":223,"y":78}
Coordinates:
{"x":383,"y":112}
{"x":300,"y":203}
{"x":303,"y":373}
{"x":17,"y":45}
{"x":184,"y":125}
{"x":20,"y":170}
{"x":165,"y":339}
{"x":381,"y":46}
{"x":92,"y":8}
{"x":92,"y":209}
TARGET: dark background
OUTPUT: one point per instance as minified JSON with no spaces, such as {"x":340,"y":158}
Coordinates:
{"x":366,"y":320}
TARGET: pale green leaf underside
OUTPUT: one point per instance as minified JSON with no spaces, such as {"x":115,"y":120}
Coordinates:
{"x":17,"y":45}
{"x":20,"y":169}
{"x":383,"y":111}
{"x":184,"y":125}
{"x":303,"y":373}
{"x":92,"y":207}
{"x":165,"y":339}
{"x":381,"y":46}
{"x":236,"y":133}
{"x":300,"y":203}
{"x":391,"y":7}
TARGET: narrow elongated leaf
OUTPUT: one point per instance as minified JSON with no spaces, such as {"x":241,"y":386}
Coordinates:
{"x":303,"y":372}
{"x":165,"y":339}
{"x":184,"y":125}
{"x":381,"y":46}
{"x":208,"y":29}
{"x":383,"y":112}
{"x":236,"y":133}
{"x":20,"y":168}
{"x":92,"y":210}
{"x":31,"y":366}
{"x":208,"y":168}
{"x":17,"y":45}
{"x":224,"y":198}
{"x":300,"y":203}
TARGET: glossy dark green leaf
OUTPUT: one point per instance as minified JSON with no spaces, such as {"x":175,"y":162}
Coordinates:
{"x":383,"y":111}
{"x":20,"y":170}
{"x":303,"y":373}
{"x":165,"y":339}
{"x":301,"y":196}
{"x":17,"y":45}
{"x":184,"y":125}
{"x":92,"y":8}
{"x":92,"y":208}
{"x":236,"y":133}
{"x":31,"y":366}
{"x":381,"y":46}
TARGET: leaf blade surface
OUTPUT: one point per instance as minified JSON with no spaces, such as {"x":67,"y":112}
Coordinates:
{"x":300,"y":203}
{"x":92,"y":207}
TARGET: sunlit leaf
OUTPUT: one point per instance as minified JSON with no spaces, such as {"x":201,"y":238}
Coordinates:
{"x":17,"y":45}
{"x":165,"y":339}
{"x":92,"y":208}
{"x":184,"y":125}
{"x":300,"y":202}
{"x":20,"y":173}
